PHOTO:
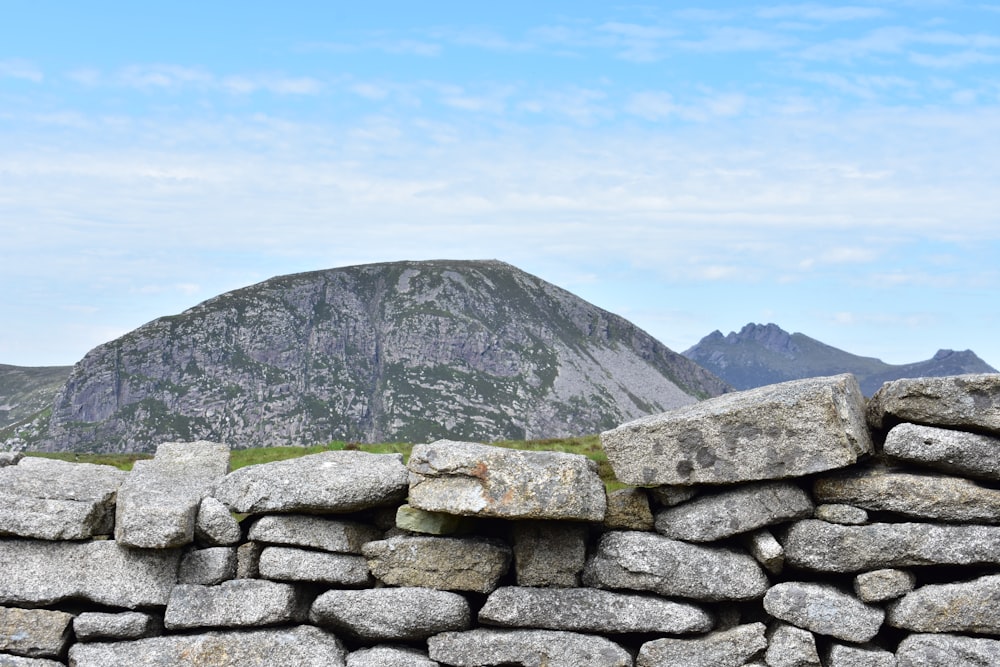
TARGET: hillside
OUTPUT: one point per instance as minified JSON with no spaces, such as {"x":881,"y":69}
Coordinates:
{"x":412,"y":351}
{"x":762,"y":354}
{"x":25,"y":392}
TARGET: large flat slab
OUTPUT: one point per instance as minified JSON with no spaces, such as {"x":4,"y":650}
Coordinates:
{"x":775,"y":432}
{"x":969,"y":402}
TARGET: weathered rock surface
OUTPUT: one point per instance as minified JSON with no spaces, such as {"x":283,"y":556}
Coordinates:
{"x":19,"y":661}
{"x":445,"y":563}
{"x":826,"y":547}
{"x":302,"y":646}
{"x":824,"y":609}
{"x":159,"y":500}
{"x":95,"y":625}
{"x":549,"y":553}
{"x":945,"y":449}
{"x":215,"y":526}
{"x":933,"y":650}
{"x":389,"y":656}
{"x":846,"y":515}
{"x":33,"y":633}
{"x":918,"y":496}
{"x":526,"y":648}
{"x":291,"y":564}
{"x":315,"y":532}
{"x":10,"y":458}
{"x":591,"y":610}
{"x":431,"y":523}
{"x":38,"y":572}
{"x":967,"y":607}
{"x":628,"y":509}
{"x":734,"y":511}
{"x":766,"y":550}
{"x":774,"y":432}
{"x":646,"y":561}
{"x":789,"y":646}
{"x":728,"y":648}
{"x":482,"y":480}
{"x":329,"y":482}
{"x":56,"y":500}
{"x":969,"y":402}
{"x":208,"y":567}
{"x":848,"y":655}
{"x":238,"y":603}
{"x":882,"y":585}
{"x":396,"y":614}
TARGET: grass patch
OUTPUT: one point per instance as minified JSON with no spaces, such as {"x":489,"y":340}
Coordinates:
{"x":588,"y":445}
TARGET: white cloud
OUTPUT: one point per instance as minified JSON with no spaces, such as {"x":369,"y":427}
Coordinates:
{"x":17,"y":68}
{"x":823,"y":13}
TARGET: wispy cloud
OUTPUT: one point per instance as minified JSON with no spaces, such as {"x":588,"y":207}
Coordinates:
{"x":17,"y":68}
{"x":821,"y":13}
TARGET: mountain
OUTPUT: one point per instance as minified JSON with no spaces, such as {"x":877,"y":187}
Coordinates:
{"x":762,"y":354}
{"x":415,"y":351}
{"x":26,"y":394}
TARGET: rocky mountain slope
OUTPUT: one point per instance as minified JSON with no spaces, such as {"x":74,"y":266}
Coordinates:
{"x":473,"y":350}
{"x":27,"y":391}
{"x":762,"y":354}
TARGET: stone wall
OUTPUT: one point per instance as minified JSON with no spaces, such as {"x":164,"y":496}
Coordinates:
{"x":791,"y":525}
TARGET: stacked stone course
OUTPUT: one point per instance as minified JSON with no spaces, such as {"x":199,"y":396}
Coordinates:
{"x":789,"y":526}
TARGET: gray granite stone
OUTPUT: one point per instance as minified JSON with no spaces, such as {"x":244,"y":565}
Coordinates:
{"x":415,"y":520}
{"x":789,"y":646}
{"x":650,"y":562}
{"x":34,"y":633}
{"x":733,"y":511}
{"x":291,"y":564}
{"x":314,"y":532}
{"x":301,"y":646}
{"x":845,"y":515}
{"x":934,"y":650}
{"x":95,"y":625}
{"x":968,"y":607}
{"x":215,"y":525}
{"x":628,"y":509}
{"x":957,"y":452}
{"x":727,"y":648}
{"x":57,"y":500}
{"x":19,"y":661}
{"x":208,"y":566}
{"x":482,"y":480}
{"x":159,"y":500}
{"x":826,"y":547}
{"x":393,"y":614}
{"x":37,"y":573}
{"x":445,"y":563}
{"x":549,"y":553}
{"x":970,"y":402}
{"x":848,"y":655}
{"x":332,"y":482}
{"x":824,"y":609}
{"x":10,"y":458}
{"x":882,"y":585}
{"x":591,"y":610}
{"x":389,"y":656}
{"x":766,"y":550}
{"x":775,"y":432}
{"x":239,"y":604}
{"x":526,"y":648}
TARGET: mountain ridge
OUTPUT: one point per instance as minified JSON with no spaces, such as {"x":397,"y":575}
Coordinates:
{"x":398,"y":350}
{"x":761,"y":354}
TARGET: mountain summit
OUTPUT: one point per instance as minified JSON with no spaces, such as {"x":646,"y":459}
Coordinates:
{"x":762,"y":354}
{"x":415,"y":351}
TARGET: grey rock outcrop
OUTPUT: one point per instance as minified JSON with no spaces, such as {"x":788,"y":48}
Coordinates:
{"x":826,"y":547}
{"x":327,"y":483}
{"x":952,"y":451}
{"x":727,"y":648}
{"x":970,"y":402}
{"x":649,"y":562}
{"x":55,"y":500}
{"x":933,"y":650}
{"x":393,"y":352}
{"x":587,"y":610}
{"x":914,"y":495}
{"x":395,"y":614}
{"x":159,"y":500}
{"x":967,"y":607}
{"x":825,"y":610}
{"x":40,"y":573}
{"x":774,"y":432}
{"x":481,"y":480}
{"x":445,"y":563}
{"x":526,"y":648}
{"x":302,"y":646}
{"x":734,"y":511}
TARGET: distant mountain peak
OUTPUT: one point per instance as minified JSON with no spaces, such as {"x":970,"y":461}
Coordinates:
{"x":762,"y":354}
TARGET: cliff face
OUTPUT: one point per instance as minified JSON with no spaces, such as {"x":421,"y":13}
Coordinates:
{"x":762,"y":354}
{"x":399,"y":351}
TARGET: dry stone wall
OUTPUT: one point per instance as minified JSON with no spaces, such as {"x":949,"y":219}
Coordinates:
{"x":790,"y":525}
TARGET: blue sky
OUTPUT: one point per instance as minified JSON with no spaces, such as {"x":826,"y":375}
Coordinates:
{"x":832,"y":168}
